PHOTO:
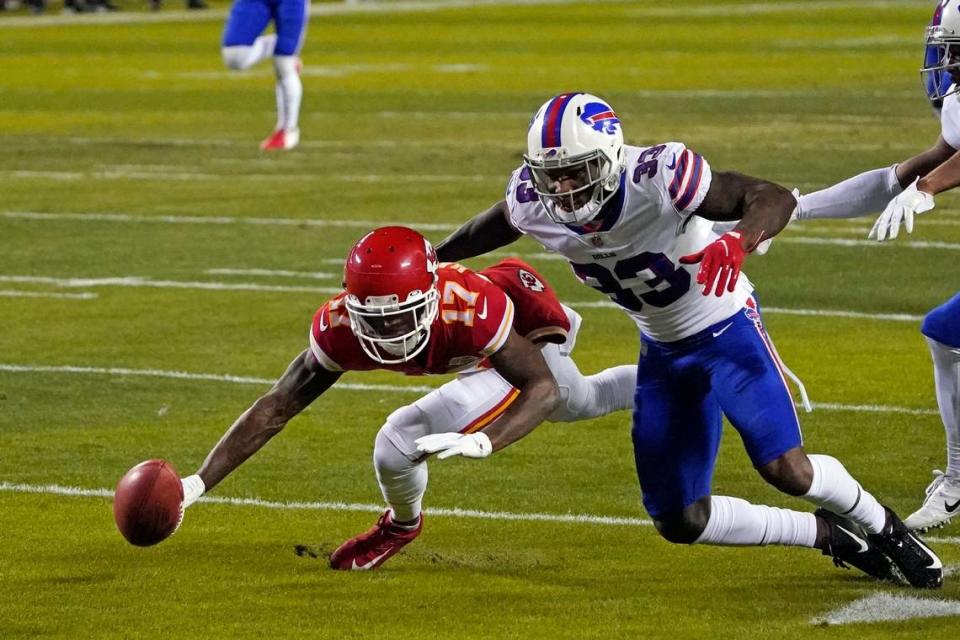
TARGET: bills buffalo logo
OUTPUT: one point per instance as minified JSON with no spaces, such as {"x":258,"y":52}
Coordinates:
{"x":600,"y":117}
{"x":530,"y":281}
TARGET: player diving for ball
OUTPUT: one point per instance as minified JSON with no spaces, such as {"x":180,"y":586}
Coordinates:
{"x":902,"y":191}
{"x":401,"y":310}
{"x":634,"y":222}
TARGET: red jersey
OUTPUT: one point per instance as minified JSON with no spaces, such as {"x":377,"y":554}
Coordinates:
{"x":473,"y":321}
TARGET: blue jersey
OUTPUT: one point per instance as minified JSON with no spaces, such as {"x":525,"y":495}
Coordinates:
{"x":943,"y":323}
{"x":249,"y":18}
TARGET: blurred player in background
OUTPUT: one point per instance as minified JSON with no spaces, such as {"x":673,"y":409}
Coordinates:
{"x":503,"y":327}
{"x":902,"y":191}
{"x":630,"y":220}
{"x":244,"y":46}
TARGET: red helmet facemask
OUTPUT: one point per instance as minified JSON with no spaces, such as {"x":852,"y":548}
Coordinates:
{"x":392,"y":297}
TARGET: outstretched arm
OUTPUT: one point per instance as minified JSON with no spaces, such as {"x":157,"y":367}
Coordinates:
{"x":763,"y":209}
{"x":302,"y":383}
{"x":521,"y":364}
{"x":481,"y":234}
{"x":869,"y":192}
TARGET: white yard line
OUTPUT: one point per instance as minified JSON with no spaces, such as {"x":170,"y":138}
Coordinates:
{"x":571,"y":518}
{"x":315,"y":275}
{"x":193,"y":176}
{"x":216,"y":220}
{"x":213,"y":377}
{"x":145,"y":282}
{"x":888,"y":607}
{"x":873,"y":244}
{"x":140,"y":282}
{"x":15,"y":293}
{"x":757,"y":8}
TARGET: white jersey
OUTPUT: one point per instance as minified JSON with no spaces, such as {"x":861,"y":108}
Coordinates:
{"x":631,"y":253}
{"x":950,"y":120}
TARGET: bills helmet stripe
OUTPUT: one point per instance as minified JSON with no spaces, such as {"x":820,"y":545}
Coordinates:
{"x":550,"y":134}
{"x":678,"y":174}
{"x":937,"y":15}
{"x":695,"y":171}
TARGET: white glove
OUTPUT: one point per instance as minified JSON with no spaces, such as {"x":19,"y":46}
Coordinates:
{"x":900,"y":209}
{"x":471,"y":445}
{"x":193,"y":488}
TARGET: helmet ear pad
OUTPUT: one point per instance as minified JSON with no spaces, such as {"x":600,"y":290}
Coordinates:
{"x":568,"y":131}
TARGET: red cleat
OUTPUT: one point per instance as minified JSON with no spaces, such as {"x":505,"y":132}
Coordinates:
{"x":371,"y":549}
{"x":281,"y":139}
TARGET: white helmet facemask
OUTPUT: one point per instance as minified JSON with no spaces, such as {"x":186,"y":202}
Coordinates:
{"x":592,"y":179}
{"x":386,"y":327}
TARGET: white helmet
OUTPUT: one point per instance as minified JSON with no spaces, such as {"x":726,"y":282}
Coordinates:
{"x":942,"y":35}
{"x":575,"y":143}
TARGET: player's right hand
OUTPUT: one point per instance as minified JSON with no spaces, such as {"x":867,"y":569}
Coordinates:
{"x":901,"y":209}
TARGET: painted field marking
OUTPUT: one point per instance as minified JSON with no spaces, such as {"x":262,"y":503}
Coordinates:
{"x":888,"y":607}
{"x":216,"y":220}
{"x":80,"y":492}
{"x":756,"y":8}
{"x":140,"y":282}
{"x":16,"y":293}
{"x":316,"y":275}
{"x":213,"y":377}
{"x":193,"y":176}
{"x":145,"y":282}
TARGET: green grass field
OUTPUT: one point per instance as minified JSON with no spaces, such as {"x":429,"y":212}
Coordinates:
{"x":419,"y":117}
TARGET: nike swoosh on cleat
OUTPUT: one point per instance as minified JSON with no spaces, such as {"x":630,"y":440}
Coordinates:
{"x":860,"y":541}
{"x":368,"y":565}
{"x":717,"y":334}
{"x":951,"y":507}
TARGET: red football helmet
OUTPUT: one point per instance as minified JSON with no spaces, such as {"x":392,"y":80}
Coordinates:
{"x":392,"y":296}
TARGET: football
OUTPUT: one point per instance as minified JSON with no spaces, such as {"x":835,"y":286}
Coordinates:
{"x":147,"y":503}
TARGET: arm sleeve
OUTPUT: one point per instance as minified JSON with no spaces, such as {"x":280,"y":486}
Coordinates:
{"x":861,"y":195}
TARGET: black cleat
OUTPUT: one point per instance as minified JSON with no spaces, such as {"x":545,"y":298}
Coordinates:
{"x":848,"y":544}
{"x":918,"y":564}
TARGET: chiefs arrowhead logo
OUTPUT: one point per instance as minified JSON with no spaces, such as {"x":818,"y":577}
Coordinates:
{"x":530,"y":281}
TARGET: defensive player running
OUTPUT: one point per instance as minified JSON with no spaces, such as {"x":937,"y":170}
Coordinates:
{"x":631,"y":221}
{"x":907,"y":189}
{"x":244,"y":46}
{"x":403,"y":312}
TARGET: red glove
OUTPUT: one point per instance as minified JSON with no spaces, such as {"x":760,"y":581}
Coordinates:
{"x":721,"y":260}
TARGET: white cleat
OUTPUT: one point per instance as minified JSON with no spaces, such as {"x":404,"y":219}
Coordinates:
{"x":941,"y":504}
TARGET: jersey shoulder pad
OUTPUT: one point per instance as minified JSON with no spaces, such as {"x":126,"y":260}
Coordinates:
{"x":471,"y":302}
{"x":680,"y":175}
{"x":521,"y":197}
{"x":332,"y":341}
{"x":950,"y":120}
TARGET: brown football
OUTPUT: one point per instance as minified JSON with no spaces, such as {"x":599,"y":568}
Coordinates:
{"x":147,"y":502}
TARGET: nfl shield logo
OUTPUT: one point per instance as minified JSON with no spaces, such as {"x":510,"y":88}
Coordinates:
{"x":596,"y":240}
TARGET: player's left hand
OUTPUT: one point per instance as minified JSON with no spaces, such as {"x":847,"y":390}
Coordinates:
{"x":901,"y":209}
{"x":471,"y":445}
{"x":719,"y":262}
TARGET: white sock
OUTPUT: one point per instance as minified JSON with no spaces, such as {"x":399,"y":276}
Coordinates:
{"x":736,"y":522}
{"x":834,"y":489}
{"x":946,"y":376}
{"x":402,"y":481}
{"x":861,"y":195}
{"x":241,"y":57}
{"x":289,"y":92}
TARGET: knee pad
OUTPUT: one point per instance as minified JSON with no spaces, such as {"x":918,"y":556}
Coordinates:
{"x":237,"y":57}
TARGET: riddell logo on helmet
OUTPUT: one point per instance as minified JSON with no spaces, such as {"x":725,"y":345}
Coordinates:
{"x":601,"y":117}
